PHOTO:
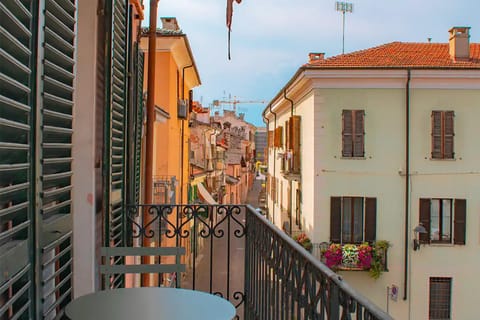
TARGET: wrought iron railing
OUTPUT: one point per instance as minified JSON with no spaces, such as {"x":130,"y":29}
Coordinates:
{"x":234,"y":252}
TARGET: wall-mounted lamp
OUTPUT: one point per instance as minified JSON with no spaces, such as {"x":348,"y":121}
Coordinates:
{"x":416,"y":241}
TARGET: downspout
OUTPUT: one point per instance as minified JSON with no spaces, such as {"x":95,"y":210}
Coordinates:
{"x":152,"y":48}
{"x":274,"y":158}
{"x":290,"y":181}
{"x":407,"y":182}
{"x":183,"y":134}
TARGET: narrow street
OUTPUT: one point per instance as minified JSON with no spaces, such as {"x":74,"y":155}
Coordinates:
{"x":217,"y":271}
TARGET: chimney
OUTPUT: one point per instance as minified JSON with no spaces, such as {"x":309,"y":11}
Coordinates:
{"x":316,"y":56}
{"x":170,"y":23}
{"x":459,"y":43}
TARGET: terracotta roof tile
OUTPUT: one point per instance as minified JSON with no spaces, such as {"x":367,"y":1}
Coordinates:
{"x":401,"y":55}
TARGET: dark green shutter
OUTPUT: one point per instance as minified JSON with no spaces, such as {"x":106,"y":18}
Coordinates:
{"x":17,"y":78}
{"x":54,"y":141}
{"x":138,"y":123}
{"x":114,"y":170}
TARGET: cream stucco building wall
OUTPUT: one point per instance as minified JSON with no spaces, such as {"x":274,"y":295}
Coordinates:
{"x":319,"y":97}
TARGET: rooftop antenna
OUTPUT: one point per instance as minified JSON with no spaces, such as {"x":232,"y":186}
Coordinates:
{"x":343,"y":7}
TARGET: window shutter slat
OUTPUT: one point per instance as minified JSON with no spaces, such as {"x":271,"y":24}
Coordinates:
{"x":335,"y":219}
{"x":425,"y":220}
{"x":448,"y":135}
{"x":436,"y":134}
{"x":460,"y":220}
{"x":347,"y":133}
{"x":370,"y":219}
{"x":359,"y":145}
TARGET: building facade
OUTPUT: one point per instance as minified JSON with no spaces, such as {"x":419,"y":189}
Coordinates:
{"x":176,"y":75}
{"x":382,"y":147}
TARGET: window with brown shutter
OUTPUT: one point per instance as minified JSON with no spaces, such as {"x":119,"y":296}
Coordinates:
{"x":460,"y":220}
{"x":278,"y":137}
{"x":335,"y":219}
{"x":295,"y":143}
{"x":353,"y":219}
{"x":353,"y":133}
{"x":270,"y":138}
{"x":441,"y":218}
{"x":443,"y":135}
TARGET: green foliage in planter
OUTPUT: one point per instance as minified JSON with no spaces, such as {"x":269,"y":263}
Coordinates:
{"x":377,"y":266}
{"x":304,"y":241}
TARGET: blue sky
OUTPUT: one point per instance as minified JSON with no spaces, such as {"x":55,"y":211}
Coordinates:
{"x":271,"y":39}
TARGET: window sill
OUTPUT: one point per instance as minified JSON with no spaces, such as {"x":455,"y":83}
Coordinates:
{"x":440,"y":244}
{"x":353,"y":158}
{"x":442,"y":159}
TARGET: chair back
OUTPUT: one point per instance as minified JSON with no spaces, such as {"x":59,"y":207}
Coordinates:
{"x":107,"y":269}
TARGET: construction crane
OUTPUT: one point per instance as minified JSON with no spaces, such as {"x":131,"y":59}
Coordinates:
{"x":234,"y":102}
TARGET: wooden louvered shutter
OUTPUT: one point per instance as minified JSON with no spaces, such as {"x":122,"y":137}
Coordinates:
{"x":278,"y":137}
{"x":425,"y":220}
{"x":286,"y":142}
{"x":18,"y":32}
{"x":436,"y":134}
{"x":54,"y":116}
{"x":359,"y":140}
{"x":347,"y":133}
{"x":138,"y":122}
{"x":448,"y":134}
{"x":296,"y":146}
{"x":335,"y":219}
{"x":118,"y":46}
{"x":460,"y":220}
{"x":370,"y":219}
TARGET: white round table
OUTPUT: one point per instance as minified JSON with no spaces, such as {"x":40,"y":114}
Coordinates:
{"x":150,"y":303}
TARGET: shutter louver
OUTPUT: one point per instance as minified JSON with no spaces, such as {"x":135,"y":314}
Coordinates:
{"x":295,"y":137}
{"x":271,"y":138}
{"x":370,"y":219}
{"x":347,"y":133}
{"x":278,"y":137}
{"x":286,"y":143}
{"x":460,"y":220}
{"x":138,"y":123}
{"x":436,"y":134}
{"x":425,"y":220}
{"x":17,"y":160}
{"x":335,"y":219}
{"x":359,"y":146}
{"x":118,"y":41}
{"x":56,"y":81}
{"x":448,"y":135}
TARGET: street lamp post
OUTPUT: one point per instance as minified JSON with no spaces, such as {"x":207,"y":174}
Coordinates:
{"x":343,"y":7}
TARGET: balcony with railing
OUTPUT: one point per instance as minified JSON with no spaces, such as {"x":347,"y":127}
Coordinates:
{"x":234,"y":252}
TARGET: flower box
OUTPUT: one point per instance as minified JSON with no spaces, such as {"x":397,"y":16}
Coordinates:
{"x":357,"y":257}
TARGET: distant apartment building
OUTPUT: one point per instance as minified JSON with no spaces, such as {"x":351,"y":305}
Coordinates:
{"x":381,"y":144}
{"x":260,"y":144}
{"x":237,"y":136}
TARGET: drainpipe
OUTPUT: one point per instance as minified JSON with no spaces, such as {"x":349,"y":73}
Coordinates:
{"x":290,"y":181}
{"x":152,"y":48}
{"x":274,"y":157}
{"x":407,"y":182}
{"x":183,"y":134}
